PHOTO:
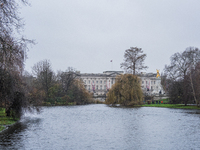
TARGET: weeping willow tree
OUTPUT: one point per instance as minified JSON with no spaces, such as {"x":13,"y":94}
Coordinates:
{"x":126,"y":91}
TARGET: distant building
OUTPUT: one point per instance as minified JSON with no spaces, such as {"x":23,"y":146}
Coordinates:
{"x":151,"y":83}
{"x":100,"y":83}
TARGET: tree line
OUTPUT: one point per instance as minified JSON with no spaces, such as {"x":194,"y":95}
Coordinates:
{"x":49,"y":87}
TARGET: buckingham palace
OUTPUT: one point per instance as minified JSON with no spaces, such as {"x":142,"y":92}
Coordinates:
{"x":100,"y":83}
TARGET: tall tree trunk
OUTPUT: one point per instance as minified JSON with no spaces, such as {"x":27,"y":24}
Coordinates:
{"x":193,"y":89}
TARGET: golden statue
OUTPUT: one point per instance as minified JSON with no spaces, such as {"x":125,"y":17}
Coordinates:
{"x":158,"y":74}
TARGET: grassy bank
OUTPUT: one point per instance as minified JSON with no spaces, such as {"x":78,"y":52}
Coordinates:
{"x":180,"y":106}
{"x":4,"y":120}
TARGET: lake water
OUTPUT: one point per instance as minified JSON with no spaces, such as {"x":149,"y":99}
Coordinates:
{"x":99,"y":127}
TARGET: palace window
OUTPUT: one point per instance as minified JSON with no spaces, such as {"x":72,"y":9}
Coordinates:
{"x":97,"y":82}
{"x":89,"y":81}
{"x":101,"y":81}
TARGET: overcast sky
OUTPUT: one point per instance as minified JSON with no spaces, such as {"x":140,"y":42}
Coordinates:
{"x":88,"y":34}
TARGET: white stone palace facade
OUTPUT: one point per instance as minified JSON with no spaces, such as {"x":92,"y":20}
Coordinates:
{"x":100,"y":83}
{"x":150,"y":83}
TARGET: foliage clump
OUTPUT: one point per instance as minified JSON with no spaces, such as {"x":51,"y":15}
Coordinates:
{"x":126,"y":91}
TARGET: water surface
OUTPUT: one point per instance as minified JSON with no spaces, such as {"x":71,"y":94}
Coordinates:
{"x":101,"y":127}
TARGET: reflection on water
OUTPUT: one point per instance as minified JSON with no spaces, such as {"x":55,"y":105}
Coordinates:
{"x":102,"y":127}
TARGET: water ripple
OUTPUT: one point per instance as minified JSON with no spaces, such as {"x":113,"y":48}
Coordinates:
{"x":102,"y":127}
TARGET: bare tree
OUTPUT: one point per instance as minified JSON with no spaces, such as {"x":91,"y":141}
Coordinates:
{"x":194,"y":77}
{"x":10,"y":18}
{"x":12,"y":57}
{"x":182,"y":62}
{"x":133,"y":60}
{"x":180,"y":70}
{"x":12,"y":49}
{"x":45,"y":75}
{"x":67,"y":78}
